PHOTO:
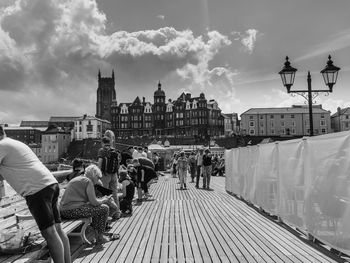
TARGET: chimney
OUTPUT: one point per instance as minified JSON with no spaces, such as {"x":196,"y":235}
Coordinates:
{"x":188,"y":96}
{"x":339,"y":111}
{"x":143,"y":100}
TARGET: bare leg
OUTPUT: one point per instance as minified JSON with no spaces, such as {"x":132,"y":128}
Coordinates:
{"x":54,"y":243}
{"x":65,"y":241}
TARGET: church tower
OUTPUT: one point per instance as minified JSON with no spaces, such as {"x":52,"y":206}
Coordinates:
{"x":105,"y":96}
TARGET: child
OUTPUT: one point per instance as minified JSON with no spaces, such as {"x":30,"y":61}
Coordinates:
{"x":128,"y":190}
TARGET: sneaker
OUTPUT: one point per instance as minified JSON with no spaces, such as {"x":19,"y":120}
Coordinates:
{"x":197,"y":186}
{"x":185,"y":186}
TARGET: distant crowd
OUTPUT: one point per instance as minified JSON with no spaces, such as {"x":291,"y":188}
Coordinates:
{"x":199,"y":164}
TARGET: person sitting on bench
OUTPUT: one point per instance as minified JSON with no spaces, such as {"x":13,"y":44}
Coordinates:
{"x":80,"y":201}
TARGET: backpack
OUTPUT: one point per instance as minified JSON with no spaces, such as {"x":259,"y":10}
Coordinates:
{"x":110,"y":161}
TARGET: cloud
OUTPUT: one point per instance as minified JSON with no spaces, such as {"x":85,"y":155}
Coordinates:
{"x":247,"y":39}
{"x":52,"y":50}
{"x":161,"y":17}
{"x":336,"y":42}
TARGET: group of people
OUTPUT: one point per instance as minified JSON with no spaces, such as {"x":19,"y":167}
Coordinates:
{"x":94,"y":191}
{"x":201,"y":164}
{"x":91,"y":191}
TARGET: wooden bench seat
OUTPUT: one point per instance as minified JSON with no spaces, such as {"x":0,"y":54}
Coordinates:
{"x":14,"y":213}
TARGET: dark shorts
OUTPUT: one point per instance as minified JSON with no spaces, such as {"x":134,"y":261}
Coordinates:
{"x":43,"y":205}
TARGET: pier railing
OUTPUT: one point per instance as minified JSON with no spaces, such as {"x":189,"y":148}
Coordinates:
{"x":305,"y":182}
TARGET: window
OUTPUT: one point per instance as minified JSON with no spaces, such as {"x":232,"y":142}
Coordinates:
{"x":272,"y":131}
{"x":283,"y":131}
{"x":261,"y":124}
{"x":271,"y":116}
{"x":282,"y":116}
{"x":282,"y":123}
{"x":293,"y":123}
{"x":252,"y":132}
{"x":323,"y":130}
{"x":322,"y":116}
{"x":322,"y":123}
{"x":272,"y":124}
{"x":293,"y":131}
{"x":292,"y":116}
{"x":251,"y":117}
{"x":251,"y":124}
{"x":261,"y":131}
{"x":261,"y":117}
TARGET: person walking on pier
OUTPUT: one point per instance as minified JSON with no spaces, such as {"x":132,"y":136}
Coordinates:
{"x":182,"y":168}
{"x":207,"y":168}
{"x":27,"y":175}
{"x":199,"y":158}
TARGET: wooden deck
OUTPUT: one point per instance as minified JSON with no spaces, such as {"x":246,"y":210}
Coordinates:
{"x":198,"y":225}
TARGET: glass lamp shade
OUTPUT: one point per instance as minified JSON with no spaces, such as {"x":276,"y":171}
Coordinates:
{"x":287,"y":74}
{"x":330,"y":74}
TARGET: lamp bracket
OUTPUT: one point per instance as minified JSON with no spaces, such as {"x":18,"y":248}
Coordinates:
{"x":314,"y":95}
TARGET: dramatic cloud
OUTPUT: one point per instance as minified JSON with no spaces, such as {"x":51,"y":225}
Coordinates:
{"x":53,"y":49}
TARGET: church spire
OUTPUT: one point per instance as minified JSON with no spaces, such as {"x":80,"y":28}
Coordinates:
{"x":99,"y":74}
{"x":159,"y":85}
{"x":113,"y":74}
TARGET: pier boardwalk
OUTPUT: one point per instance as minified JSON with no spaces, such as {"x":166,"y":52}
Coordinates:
{"x":197,"y":225}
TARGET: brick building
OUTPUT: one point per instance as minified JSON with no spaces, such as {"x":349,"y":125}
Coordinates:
{"x":186,"y":116}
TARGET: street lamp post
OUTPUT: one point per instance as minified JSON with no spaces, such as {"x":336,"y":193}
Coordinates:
{"x":329,"y":73}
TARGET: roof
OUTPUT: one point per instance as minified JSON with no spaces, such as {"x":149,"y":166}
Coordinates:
{"x":286,"y":110}
{"x":341,"y":112}
{"x":159,"y":91}
{"x":89,"y":117}
{"x":34,"y":124}
{"x":16,"y":128}
{"x":63,"y":119}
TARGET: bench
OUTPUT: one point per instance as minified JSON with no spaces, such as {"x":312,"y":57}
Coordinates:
{"x":14,"y":213}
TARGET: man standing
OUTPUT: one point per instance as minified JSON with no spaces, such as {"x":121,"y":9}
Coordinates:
{"x":199,"y":158}
{"x":26,"y":174}
{"x":207,"y":168}
{"x":109,"y":178}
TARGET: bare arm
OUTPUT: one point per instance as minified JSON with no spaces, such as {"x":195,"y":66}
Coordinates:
{"x":93,"y":200}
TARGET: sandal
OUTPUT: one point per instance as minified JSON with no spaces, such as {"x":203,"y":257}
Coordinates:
{"x":113,"y":236}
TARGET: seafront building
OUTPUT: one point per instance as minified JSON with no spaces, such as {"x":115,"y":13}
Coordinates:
{"x":286,"y":121}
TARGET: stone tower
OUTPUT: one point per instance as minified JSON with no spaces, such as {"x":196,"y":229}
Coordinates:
{"x":105,"y":96}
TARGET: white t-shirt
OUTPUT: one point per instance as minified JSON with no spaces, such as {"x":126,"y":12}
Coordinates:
{"x":22,"y":169}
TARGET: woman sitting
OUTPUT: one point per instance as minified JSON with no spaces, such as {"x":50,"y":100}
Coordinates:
{"x":128,"y":190}
{"x":79,"y":201}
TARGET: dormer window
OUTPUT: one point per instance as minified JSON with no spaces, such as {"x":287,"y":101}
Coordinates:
{"x":188,"y":105}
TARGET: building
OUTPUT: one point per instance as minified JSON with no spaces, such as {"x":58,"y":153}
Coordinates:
{"x":292,"y":121}
{"x":27,"y":135}
{"x":340,"y":121}
{"x":186,"y":116}
{"x":66,"y":122}
{"x":231,"y":124}
{"x":105,"y":97}
{"x":55,"y":142}
{"x":90,"y":127}
{"x":40,"y":125}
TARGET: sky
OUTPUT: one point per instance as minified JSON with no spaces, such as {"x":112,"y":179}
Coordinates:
{"x":232,"y":50}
